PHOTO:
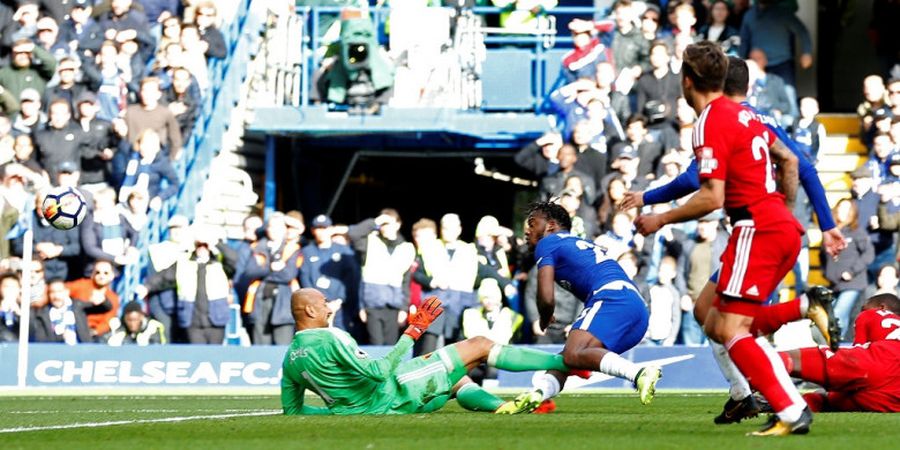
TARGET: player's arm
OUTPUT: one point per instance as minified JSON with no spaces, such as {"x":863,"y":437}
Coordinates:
{"x":786,"y":162}
{"x":351,"y":358}
{"x":709,"y":198}
{"x":292,"y":400}
{"x":546,"y":302}
{"x":685,"y":183}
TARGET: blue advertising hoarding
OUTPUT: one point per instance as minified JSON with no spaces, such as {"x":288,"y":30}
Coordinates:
{"x":88,"y":365}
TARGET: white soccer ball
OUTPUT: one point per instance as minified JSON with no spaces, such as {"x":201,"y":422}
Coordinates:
{"x":64,"y":207}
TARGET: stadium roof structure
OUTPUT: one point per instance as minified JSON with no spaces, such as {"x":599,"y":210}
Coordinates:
{"x":395,"y":128}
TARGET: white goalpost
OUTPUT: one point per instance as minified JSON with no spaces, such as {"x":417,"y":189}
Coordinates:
{"x":25,"y":308}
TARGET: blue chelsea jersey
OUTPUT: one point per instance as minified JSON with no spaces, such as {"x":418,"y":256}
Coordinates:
{"x":580,"y":266}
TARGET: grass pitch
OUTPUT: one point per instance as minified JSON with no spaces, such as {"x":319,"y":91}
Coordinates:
{"x":593,"y":421}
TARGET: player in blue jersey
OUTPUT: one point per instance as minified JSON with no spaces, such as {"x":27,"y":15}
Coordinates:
{"x":815,"y":304}
{"x":614,"y":318}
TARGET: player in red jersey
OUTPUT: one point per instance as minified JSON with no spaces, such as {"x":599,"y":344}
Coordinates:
{"x":865,"y":377}
{"x":732,"y":149}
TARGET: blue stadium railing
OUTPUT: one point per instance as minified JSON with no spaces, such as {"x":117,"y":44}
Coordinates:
{"x":225,"y":79}
{"x":544,"y":76}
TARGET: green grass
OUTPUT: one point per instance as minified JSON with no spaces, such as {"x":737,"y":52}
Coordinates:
{"x":582,"y":421}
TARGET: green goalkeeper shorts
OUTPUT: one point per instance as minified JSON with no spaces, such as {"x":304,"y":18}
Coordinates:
{"x":424,"y":384}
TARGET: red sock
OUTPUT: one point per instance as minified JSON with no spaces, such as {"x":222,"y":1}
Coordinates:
{"x":756,"y":366}
{"x":770,"y":318}
{"x":788,"y":362}
{"x":812,"y":366}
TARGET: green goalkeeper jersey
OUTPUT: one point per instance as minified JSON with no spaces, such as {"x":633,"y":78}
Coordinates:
{"x":328,"y":361}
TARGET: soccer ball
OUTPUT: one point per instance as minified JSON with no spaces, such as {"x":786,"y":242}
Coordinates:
{"x":64,"y":207}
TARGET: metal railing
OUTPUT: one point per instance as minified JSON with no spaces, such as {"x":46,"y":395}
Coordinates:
{"x":226,"y":76}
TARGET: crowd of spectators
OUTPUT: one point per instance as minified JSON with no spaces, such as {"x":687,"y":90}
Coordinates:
{"x":100,"y":95}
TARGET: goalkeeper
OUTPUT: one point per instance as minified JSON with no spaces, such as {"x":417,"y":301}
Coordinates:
{"x":328,"y":362}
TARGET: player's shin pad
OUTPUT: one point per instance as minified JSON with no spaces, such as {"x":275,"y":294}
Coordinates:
{"x":519,"y":359}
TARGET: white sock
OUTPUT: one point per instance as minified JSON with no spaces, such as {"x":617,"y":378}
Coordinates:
{"x":548,"y":385}
{"x":804,"y":305}
{"x":739,"y":387}
{"x":791,"y":413}
{"x":617,"y":366}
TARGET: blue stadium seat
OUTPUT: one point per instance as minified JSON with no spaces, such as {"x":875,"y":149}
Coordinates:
{"x":508,"y":80}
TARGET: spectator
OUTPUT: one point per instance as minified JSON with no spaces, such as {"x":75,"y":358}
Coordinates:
{"x":625,"y":163}
{"x":31,"y":67}
{"x":619,"y":238}
{"x":718,"y":29}
{"x":581,"y":62}
{"x":23,"y":25}
{"x":612,"y":99}
{"x":492,"y":243}
{"x":568,"y":308}
{"x":667,"y":241}
{"x":385,"y":258}
{"x":491,"y":320}
{"x":593,"y":153}
{"x":701,"y":260}
{"x":64,"y":320}
{"x":81,"y":31}
{"x":134,"y":210}
{"x":16,"y":209}
{"x":868,"y":199}
{"x":682,"y":20}
{"x":25,"y":157}
{"x":332,"y":269}
{"x":252,"y":227}
{"x":183,"y":98}
{"x":570,"y":103}
{"x":30,"y":119}
{"x":665,"y":306}
{"x":768,"y":92}
{"x":552,"y":185}
{"x":123,"y":19}
{"x":96,"y":290}
{"x":150,"y":114}
{"x":425,"y":233}
{"x":874,"y":98}
{"x":809,"y":133}
{"x":887,"y":282}
{"x":659,"y":84}
{"x":192,"y":56}
{"x":151,"y":171}
{"x":162,"y":256}
{"x":135,"y":328}
{"x":60,"y":250}
{"x":9,"y":105}
{"x":631,"y":52}
{"x":847,"y":272}
{"x":62,"y":141}
{"x":68,"y":88}
{"x":10,"y":306}
{"x":539,"y":156}
{"x":650,"y":22}
{"x":460,"y":262}
{"x":889,"y":213}
{"x":613,"y":194}
{"x":274,"y":267}
{"x":649,"y":151}
{"x":524,"y":14}
{"x":209,"y":33}
{"x":47,"y":37}
{"x":772,"y":28}
{"x":171,"y":32}
{"x":105,"y":234}
{"x":880,"y":158}
{"x":893,"y":92}
{"x":570,"y":200}
{"x":202,"y":288}
{"x":102,"y":145}
{"x":112,"y":79}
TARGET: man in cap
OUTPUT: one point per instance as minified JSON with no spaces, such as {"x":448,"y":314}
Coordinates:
{"x":30,"y":118}
{"x":48,"y":37}
{"x":81,"y":30}
{"x":164,"y":255}
{"x":332,"y":269}
{"x":31,"y":67}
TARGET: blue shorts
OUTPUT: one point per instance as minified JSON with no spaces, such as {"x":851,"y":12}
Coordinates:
{"x":617,"y":317}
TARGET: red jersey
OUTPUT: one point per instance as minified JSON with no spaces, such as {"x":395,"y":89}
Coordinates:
{"x":731,"y":144}
{"x":876,"y":325}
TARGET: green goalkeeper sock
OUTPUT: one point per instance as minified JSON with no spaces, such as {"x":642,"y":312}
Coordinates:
{"x":472,"y":397}
{"x":519,"y":359}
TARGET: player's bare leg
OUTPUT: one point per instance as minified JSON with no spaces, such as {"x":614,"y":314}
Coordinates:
{"x":758,"y":361}
{"x":583,"y":351}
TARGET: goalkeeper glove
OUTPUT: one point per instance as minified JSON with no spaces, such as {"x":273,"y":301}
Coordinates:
{"x":427,"y":313}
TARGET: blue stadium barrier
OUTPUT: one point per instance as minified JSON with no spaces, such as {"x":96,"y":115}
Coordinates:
{"x":94,"y":365}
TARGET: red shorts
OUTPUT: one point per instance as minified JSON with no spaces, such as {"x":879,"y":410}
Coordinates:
{"x":756,"y":260}
{"x":862,"y":378}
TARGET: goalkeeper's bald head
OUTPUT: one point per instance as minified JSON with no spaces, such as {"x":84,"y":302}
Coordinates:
{"x":310,"y":309}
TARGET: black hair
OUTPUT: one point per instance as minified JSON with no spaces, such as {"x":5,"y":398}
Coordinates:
{"x":706,"y":65}
{"x":637,"y":117}
{"x":737,"y":79}
{"x":552,"y":211}
{"x":888,"y":300}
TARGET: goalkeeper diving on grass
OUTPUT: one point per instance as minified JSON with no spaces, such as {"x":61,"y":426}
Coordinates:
{"x":328,"y":362}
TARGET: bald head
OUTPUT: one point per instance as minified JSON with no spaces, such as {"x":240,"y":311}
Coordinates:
{"x":310,"y":309}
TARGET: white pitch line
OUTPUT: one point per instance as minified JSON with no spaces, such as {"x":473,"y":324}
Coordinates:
{"x":129,"y":422}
